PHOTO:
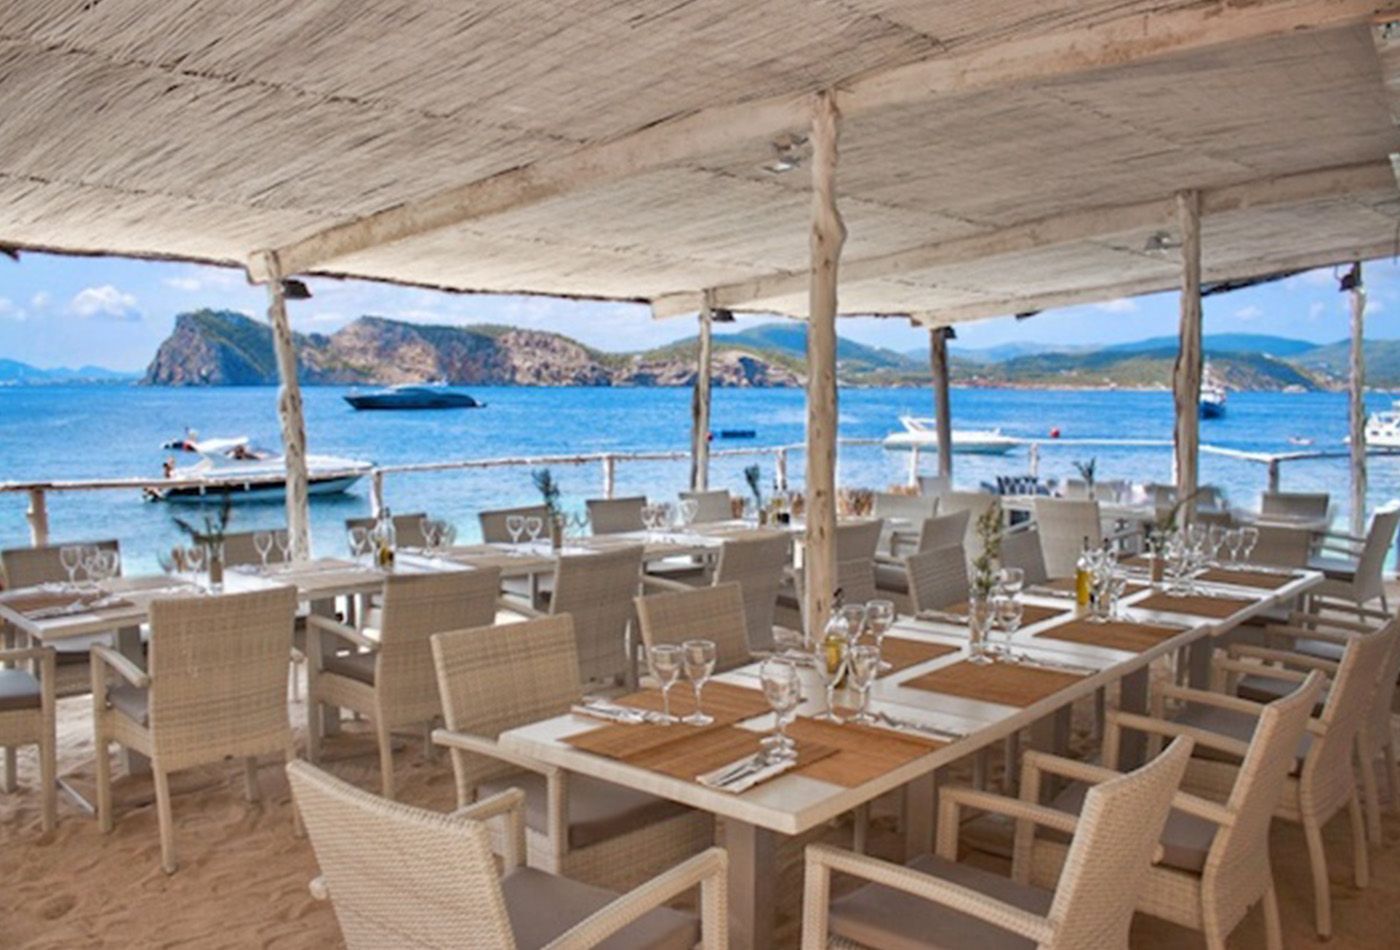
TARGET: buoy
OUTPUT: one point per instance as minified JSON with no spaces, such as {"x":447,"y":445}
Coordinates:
{"x":1055,"y":432}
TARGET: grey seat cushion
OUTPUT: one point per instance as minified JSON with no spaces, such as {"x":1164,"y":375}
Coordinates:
{"x":355,"y":666}
{"x":892,"y":578}
{"x":131,"y":701}
{"x":598,"y":811}
{"x":1337,"y":568}
{"x":1266,"y":689}
{"x":541,"y":906}
{"x":18,"y":690}
{"x":1186,"y":839}
{"x":1322,"y":649}
{"x":1227,"y":722}
{"x":879,"y":916}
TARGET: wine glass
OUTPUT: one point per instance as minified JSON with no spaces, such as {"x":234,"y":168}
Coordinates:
{"x":879,"y":617}
{"x":447,"y":533}
{"x":782,"y":687}
{"x":790,"y":643}
{"x":71,"y":557}
{"x":89,"y":560}
{"x":699,"y":663}
{"x":284,"y":545}
{"x":359,"y":542}
{"x":1249,"y":537}
{"x":429,"y":528}
{"x":515,"y":526}
{"x":1215,"y":537}
{"x":111,"y":564}
{"x":829,"y":659}
{"x":534,"y":524}
{"x":688,"y":508}
{"x":194,"y":558}
{"x":1233,"y":539}
{"x":665,"y":661}
{"x":863,"y":661}
{"x":854,"y":615}
{"x":262,"y":543}
{"x":166,"y":561}
{"x":1010,"y":612}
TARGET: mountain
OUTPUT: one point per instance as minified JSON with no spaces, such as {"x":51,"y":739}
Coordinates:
{"x":1220,"y":343}
{"x":1332,"y":363}
{"x":15,"y":373}
{"x":212,"y":348}
{"x":1134,"y":368}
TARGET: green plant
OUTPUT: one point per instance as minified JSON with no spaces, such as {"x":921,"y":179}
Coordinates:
{"x":1086,"y":470}
{"x":214,"y":527}
{"x":990,"y":527}
{"x":548,"y":489}
{"x":754,"y":476}
{"x":1166,"y":522}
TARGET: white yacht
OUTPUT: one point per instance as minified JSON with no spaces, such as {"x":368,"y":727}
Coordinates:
{"x":923,"y":433}
{"x":259,"y":474}
{"x":1383,"y":428}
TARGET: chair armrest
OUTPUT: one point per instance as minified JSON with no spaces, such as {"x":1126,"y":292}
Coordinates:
{"x":709,"y":870}
{"x":1034,"y":762}
{"x":1207,"y":698}
{"x":330,"y":625}
{"x":1249,"y":668}
{"x":1116,"y":718}
{"x":1339,"y":637}
{"x":517,"y":606}
{"x":1094,"y":774}
{"x":823,"y":859}
{"x":104,"y":656}
{"x":889,"y":560}
{"x":665,"y":583}
{"x":1286,"y":657}
{"x":1302,"y":619}
{"x":951,"y":800}
{"x":480,"y":745}
{"x":20,"y":654}
{"x":509,"y":805}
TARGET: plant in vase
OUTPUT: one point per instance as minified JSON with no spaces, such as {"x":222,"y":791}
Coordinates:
{"x":209,"y":537}
{"x":754,"y":476}
{"x":1086,"y":471}
{"x":985,"y":568}
{"x":550,"y":494}
{"x":1159,"y":532}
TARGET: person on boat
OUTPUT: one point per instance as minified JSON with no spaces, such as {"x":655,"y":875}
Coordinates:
{"x":168,"y":467}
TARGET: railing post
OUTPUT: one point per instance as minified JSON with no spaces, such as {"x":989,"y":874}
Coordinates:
{"x":780,"y":470}
{"x":913,"y":466}
{"x":609,"y":475}
{"x":1033,"y":461}
{"x":376,"y":492}
{"x":1273,"y":475}
{"x":38,"y":516}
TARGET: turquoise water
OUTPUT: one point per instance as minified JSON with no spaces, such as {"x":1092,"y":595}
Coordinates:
{"x":92,"y":432}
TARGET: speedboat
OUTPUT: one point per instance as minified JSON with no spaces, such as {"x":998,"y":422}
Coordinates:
{"x":413,"y":396}
{"x":243,"y":472}
{"x":923,"y":434}
{"x":1383,"y":428}
{"x":1212,"y":397}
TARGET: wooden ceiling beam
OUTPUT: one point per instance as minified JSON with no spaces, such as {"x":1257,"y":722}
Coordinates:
{"x":1028,"y":59}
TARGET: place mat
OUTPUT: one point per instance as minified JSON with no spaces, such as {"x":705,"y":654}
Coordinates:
{"x":1066,"y":585}
{"x":860,"y":753}
{"x":1031,"y":614}
{"x":1004,"y":683}
{"x":1199,"y":605}
{"x":1113,"y":634}
{"x":726,"y":702}
{"x":48,"y":604}
{"x":685,"y":752}
{"x":901,"y":653}
{"x":1265,"y":580}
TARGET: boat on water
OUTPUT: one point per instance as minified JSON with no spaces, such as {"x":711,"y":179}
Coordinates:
{"x":923,"y":434}
{"x":413,"y":396}
{"x":246,"y":473}
{"x":1212,"y":396}
{"x":1383,"y":428}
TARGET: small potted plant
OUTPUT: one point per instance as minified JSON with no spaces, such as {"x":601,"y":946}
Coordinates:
{"x":985,"y":567}
{"x":1086,"y":472}
{"x":754,"y":476}
{"x":210,"y":537}
{"x":549,"y":494}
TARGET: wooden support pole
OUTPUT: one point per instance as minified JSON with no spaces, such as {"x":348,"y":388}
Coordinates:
{"x":780,"y":479}
{"x":828,"y":235}
{"x":942,"y":408}
{"x":289,"y":413}
{"x":1358,"y":402}
{"x":1186,"y":380}
{"x":609,"y":475}
{"x":38,"y":516}
{"x":700,"y":403}
{"x":376,"y":492}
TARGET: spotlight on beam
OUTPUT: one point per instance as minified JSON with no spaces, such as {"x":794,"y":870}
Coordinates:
{"x":721,"y":315}
{"x":1160,"y":243}
{"x":295,"y":290}
{"x":11,"y":252}
{"x":1351,"y":280}
{"x":788,"y":154}
{"x":1026,"y":314}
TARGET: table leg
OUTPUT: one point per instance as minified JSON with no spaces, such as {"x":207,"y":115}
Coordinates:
{"x":129,"y":646}
{"x":330,"y":715}
{"x":1050,"y":734}
{"x":1198,"y":659}
{"x":752,"y":879}
{"x":1132,"y":697}
{"x":920,"y":804}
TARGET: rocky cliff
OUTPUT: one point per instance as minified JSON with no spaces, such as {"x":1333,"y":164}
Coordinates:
{"x":213,"y":348}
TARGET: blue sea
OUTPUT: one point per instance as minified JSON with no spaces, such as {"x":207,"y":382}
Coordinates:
{"x":110,"y":431}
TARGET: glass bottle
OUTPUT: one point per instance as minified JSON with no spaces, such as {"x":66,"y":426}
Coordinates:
{"x":1083,"y":576}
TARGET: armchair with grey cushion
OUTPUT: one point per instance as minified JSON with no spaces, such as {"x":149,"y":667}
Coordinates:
{"x":856,"y":543}
{"x":1352,"y":566}
{"x":940,"y":531}
{"x":937,"y":578}
{"x":27,"y":717}
{"x":759,"y":563}
{"x":399,"y":876}
{"x":710,"y":506}
{"x":408,"y":528}
{"x":712,"y":613}
{"x":1114,"y":839}
{"x":616,"y":515}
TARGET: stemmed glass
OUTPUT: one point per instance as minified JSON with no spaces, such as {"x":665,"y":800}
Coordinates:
{"x":284,"y":544}
{"x":1011,"y":581}
{"x":430,"y":528}
{"x":688,"y":509}
{"x":699,"y":662}
{"x":665,"y":660}
{"x":71,"y":557}
{"x":782,"y":687}
{"x":829,"y":659}
{"x":359,"y":542}
{"x":863,"y":661}
{"x":447,"y":533}
{"x":1249,"y":537}
{"x":515,"y":526}
{"x":91,"y":560}
{"x":879,"y":617}
{"x":854,"y":615}
{"x":194,"y":558}
{"x":534,"y":524}
{"x":1215,"y":537}
{"x":262,"y":543}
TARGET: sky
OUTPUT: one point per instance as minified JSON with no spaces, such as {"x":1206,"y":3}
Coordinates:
{"x":114,"y":312}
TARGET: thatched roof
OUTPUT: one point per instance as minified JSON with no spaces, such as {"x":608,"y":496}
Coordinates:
{"x":213,"y":129}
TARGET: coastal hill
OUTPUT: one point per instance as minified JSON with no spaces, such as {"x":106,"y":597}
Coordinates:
{"x":211,"y":348}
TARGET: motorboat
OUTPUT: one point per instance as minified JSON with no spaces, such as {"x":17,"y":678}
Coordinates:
{"x":413,"y":396}
{"x":923,"y":435}
{"x":1383,"y":428}
{"x":247,"y":473}
{"x":1212,"y":396}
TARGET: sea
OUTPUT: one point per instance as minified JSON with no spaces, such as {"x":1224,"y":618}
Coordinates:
{"x":87,"y":432}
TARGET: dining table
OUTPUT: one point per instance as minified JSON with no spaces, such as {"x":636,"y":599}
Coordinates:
{"x":936,"y":707}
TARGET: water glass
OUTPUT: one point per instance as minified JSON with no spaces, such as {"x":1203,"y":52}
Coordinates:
{"x":515,"y":526}
{"x":829,"y":660}
{"x":854,"y":615}
{"x":1249,"y":537}
{"x":1010,"y":612}
{"x":879,"y":618}
{"x":699,"y":663}
{"x":194,"y":558}
{"x":71,"y":557}
{"x":980,"y":617}
{"x":429,"y":529}
{"x":782,"y":687}
{"x":262,"y":543}
{"x":688,"y":509}
{"x":665,"y":660}
{"x":534,"y":524}
{"x":1215,"y":537}
{"x":359,"y":542}
{"x":284,"y":544}
{"x":863,"y":661}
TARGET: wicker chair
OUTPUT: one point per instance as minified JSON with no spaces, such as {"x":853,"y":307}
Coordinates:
{"x":1324,"y":782}
{"x":1022,"y":548}
{"x":392,"y":682}
{"x":963,"y":906}
{"x":1282,"y":546}
{"x":856,"y":543}
{"x":498,"y":678}
{"x":27,"y":567}
{"x":616,"y":515}
{"x":937,"y":578}
{"x":915,"y":509}
{"x":408,"y":529}
{"x":404,"y":877}
{"x":758,"y":563}
{"x":240,"y":549}
{"x":710,"y":506}
{"x":1353,"y":566}
{"x":934,"y":485}
{"x":711,"y":613}
{"x":892,"y":574}
{"x":1295,"y":506}
{"x":493,"y":523}
{"x":1063,"y":527}
{"x":1215,"y":856}
{"x":216,"y":688}
{"x":975,"y":503}
{"x":27,"y":710}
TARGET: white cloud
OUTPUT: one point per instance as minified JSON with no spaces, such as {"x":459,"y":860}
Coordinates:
{"x":187,"y":284}
{"x":1373,"y":306}
{"x":104,"y":303}
{"x":1316,"y":310}
{"x":1249,"y":312}
{"x":41,"y":300}
{"x":1117,"y":305}
{"x":8,"y":311}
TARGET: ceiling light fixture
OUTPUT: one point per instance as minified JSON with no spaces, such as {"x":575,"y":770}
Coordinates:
{"x":11,"y":252}
{"x":1160,"y":243}
{"x":788,"y":154}
{"x":721,"y":315}
{"x":295,"y":290}
{"x":1351,"y":280}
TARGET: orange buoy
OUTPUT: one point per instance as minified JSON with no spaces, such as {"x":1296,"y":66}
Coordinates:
{"x":1055,"y":432}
